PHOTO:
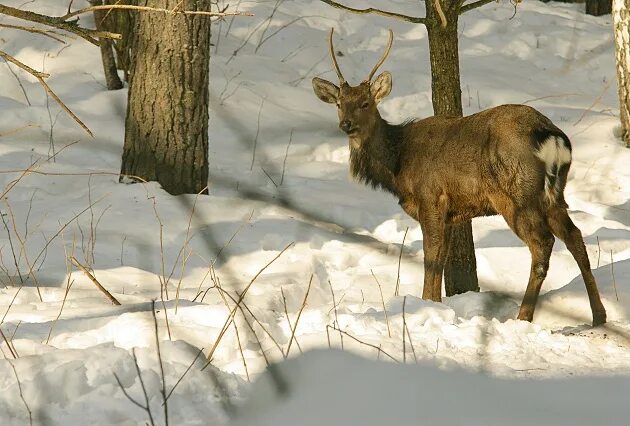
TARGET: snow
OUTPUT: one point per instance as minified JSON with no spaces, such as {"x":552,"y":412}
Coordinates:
{"x":343,"y":237}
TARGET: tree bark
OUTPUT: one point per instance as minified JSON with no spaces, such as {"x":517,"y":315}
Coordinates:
{"x":460,"y":272}
{"x":122,"y":22}
{"x":598,"y":7}
{"x":621,"y":24}
{"x":166,"y":130}
{"x":112,"y":80}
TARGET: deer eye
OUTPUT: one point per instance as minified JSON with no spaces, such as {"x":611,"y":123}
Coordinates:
{"x":365,"y":104}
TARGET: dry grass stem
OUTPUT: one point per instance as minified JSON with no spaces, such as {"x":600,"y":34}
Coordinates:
{"x":389,"y":331}
{"x":612,"y":271}
{"x":241,"y":296}
{"x":297,"y":320}
{"x":378,"y":348}
{"x":69,"y":282}
{"x":240,"y":349}
{"x":183,"y":375}
{"x":159,"y":354}
{"x":9,"y":345}
{"x":17,"y":378}
{"x":402,"y":246}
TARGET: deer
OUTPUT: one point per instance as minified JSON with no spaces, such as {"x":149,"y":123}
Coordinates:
{"x":509,"y":160}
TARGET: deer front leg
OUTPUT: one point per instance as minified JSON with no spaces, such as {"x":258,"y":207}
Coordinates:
{"x":435,"y":240}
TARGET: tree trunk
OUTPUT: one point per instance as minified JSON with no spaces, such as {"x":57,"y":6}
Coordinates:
{"x":122,"y":22}
{"x":460,"y":272}
{"x":107,"y":53}
{"x":621,"y":24}
{"x":598,"y":7}
{"x":166,"y":130}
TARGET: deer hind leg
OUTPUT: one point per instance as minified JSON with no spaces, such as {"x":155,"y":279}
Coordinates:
{"x":563,"y":227}
{"x":531,"y":227}
{"x":436,"y":237}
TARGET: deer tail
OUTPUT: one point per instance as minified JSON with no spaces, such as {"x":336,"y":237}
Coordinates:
{"x":555,"y":152}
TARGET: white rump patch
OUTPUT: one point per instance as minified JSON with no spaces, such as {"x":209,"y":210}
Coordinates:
{"x":553,"y":153}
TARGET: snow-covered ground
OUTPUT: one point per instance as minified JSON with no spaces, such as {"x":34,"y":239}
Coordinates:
{"x":293,"y":190}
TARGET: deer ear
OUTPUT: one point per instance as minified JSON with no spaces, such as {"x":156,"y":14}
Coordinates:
{"x":381,"y":86}
{"x":325,"y":90}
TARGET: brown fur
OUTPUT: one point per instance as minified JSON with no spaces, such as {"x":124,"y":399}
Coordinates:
{"x":446,"y":170}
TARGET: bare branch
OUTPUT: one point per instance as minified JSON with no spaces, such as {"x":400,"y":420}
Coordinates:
{"x":59,"y":23}
{"x":40,"y":76}
{"x":35,"y":30}
{"x":474,"y":5}
{"x":371,"y":10}
{"x":151,"y":9}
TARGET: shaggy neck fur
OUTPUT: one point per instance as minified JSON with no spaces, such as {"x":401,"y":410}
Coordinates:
{"x":376,"y":161}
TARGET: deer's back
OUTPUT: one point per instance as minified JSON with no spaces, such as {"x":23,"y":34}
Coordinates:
{"x":475,"y":158}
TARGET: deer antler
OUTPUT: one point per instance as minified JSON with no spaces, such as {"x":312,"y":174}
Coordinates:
{"x":380,"y":62}
{"x":334,"y":59}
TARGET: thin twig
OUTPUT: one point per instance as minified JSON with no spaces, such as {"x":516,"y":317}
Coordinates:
{"x":183,"y":375}
{"x":262,"y":102}
{"x":35,"y":30}
{"x":286,"y":313}
{"x":286,"y":154}
{"x":69,"y":282}
{"x":402,"y":246}
{"x":380,"y":351}
{"x":332,"y":291}
{"x":241,"y":296}
{"x":612,"y":271}
{"x":297,"y":320}
{"x":92,"y":278}
{"x":19,"y":82}
{"x":240,"y":349}
{"x":389,"y":332}
{"x":144,"y":389}
{"x":159,"y":354}
{"x":40,"y":76}
{"x":269,"y":177}
{"x":17,"y":378}
{"x":4,"y":337}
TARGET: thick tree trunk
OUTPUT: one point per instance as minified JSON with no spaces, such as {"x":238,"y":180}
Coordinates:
{"x":107,"y":53}
{"x":460,"y":273}
{"x":621,"y":24}
{"x":166,"y":131}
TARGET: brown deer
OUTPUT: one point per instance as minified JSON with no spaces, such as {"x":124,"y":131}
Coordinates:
{"x":509,"y":160}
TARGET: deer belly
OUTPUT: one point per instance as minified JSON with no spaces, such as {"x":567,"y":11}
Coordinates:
{"x":462,"y":212}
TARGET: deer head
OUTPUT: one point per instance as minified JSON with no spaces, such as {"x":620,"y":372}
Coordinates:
{"x":356,"y":105}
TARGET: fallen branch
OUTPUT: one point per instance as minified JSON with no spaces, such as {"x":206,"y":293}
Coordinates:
{"x":98,"y":285}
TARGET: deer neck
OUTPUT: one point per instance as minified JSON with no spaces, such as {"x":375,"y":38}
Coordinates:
{"x":375,"y":159}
